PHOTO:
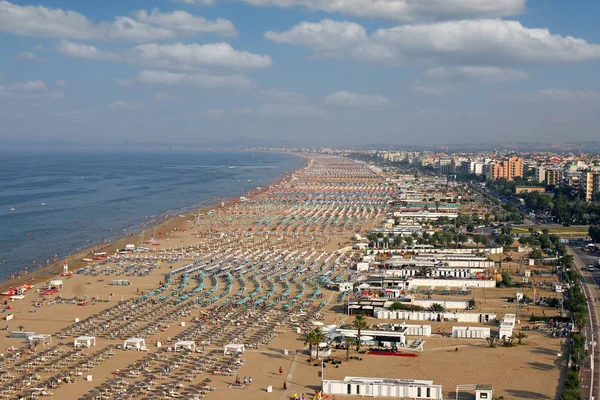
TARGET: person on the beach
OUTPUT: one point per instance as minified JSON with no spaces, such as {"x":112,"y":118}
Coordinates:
{"x":250,"y":379}
{"x":280,"y":370}
{"x":284,"y":385}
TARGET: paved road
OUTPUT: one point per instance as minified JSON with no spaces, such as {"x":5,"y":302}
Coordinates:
{"x":590,"y":376}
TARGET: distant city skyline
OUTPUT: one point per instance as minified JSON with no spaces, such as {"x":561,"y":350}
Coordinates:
{"x":299,"y":72}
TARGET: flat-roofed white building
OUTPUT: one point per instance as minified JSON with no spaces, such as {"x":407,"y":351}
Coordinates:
{"x":383,"y":387}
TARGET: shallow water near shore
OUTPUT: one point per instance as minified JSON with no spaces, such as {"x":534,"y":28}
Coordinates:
{"x":56,"y":203}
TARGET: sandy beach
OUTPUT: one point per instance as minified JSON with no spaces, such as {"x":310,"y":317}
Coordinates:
{"x":249,"y":271}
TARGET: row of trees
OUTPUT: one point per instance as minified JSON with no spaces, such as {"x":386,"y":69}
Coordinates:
{"x":442,"y":239}
{"x":317,"y":336}
{"x":567,"y":206}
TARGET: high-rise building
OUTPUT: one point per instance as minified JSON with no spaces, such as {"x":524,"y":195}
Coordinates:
{"x":553,"y":176}
{"x":590,"y":184}
{"x":508,"y":169}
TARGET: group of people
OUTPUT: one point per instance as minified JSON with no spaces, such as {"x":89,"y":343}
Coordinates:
{"x":245,"y":380}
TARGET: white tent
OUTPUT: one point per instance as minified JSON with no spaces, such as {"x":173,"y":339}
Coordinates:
{"x":185,"y":344}
{"x":234,"y":348}
{"x":85,"y":341}
{"x":42,"y":338}
{"x":134,"y":343}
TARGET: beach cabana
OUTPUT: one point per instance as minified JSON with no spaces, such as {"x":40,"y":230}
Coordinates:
{"x":134,"y":344}
{"x":42,"y":338}
{"x":85,"y":341}
{"x":185,"y":344}
{"x":233,"y":348}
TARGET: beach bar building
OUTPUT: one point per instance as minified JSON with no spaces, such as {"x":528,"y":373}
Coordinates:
{"x":471,"y":332}
{"x":383,"y":387}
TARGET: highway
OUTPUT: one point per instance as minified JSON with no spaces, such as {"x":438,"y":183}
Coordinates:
{"x":590,"y":377}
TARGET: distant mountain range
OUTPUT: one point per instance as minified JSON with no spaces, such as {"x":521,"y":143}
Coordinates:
{"x":244,"y":142}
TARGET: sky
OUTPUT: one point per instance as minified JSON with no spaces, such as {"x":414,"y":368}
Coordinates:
{"x":299,"y":72}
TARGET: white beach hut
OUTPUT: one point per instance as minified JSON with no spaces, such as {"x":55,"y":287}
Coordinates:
{"x":85,"y":341}
{"x":185,"y":344}
{"x":135,"y":344}
{"x":234,"y":348}
{"x":42,"y":338}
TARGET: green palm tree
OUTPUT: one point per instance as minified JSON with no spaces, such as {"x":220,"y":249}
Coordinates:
{"x":310,"y":341}
{"x":319,"y":336}
{"x":349,"y":342}
{"x":520,"y":336}
{"x":359,"y":323}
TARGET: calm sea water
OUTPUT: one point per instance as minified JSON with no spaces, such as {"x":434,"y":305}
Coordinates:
{"x":70,"y":200}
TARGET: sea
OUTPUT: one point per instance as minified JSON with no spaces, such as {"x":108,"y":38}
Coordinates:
{"x":53,"y":204}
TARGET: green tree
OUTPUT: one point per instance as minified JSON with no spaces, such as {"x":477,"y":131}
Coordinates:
{"x":507,"y":278}
{"x":319,"y":337}
{"x":520,"y":336}
{"x":359,"y":323}
{"x":437,"y":307}
{"x":536,"y":254}
{"x":594,"y":232}
{"x":311,"y":341}
{"x":349,"y":342}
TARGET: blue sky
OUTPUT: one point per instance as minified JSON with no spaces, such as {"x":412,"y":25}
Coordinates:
{"x":319,"y":72}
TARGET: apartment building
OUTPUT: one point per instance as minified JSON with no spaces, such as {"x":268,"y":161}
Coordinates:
{"x":590,"y":183}
{"x":553,"y":176}
{"x":508,"y":169}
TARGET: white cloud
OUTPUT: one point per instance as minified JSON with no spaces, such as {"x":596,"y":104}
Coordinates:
{"x":348,"y":99}
{"x":289,"y":111}
{"x":60,"y":83}
{"x":243,"y":111}
{"x":161,"y":96}
{"x":26,"y":55}
{"x":474,"y":73}
{"x":445,"y":80}
{"x":203,"y":2}
{"x":30,"y":90}
{"x":186,"y":22}
{"x":40,"y":21}
{"x":322,"y":36}
{"x":193,"y":55}
{"x":431,"y":88}
{"x":173,"y":56}
{"x":197,"y":80}
{"x":79,"y":50}
{"x":477,"y":42}
{"x":120,"y":105}
{"x":38,"y":47}
{"x":4,"y":92}
{"x":406,"y":10}
{"x":570,"y":95}
{"x":29,"y":86}
{"x":484,"y":42}
{"x":216,"y":113}
{"x":282,"y":95}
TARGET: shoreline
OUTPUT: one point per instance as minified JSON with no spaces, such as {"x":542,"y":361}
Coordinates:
{"x":171,"y":223}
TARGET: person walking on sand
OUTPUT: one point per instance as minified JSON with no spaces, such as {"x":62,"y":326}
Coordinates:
{"x":284,"y":385}
{"x":280,"y":370}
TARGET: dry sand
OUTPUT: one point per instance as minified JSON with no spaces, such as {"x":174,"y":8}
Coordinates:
{"x":526,"y":371}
